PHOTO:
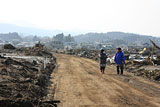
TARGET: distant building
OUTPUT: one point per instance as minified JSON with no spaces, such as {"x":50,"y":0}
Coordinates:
{"x":70,"y":45}
{"x":57,"y":44}
{"x":25,"y":44}
{"x":98,"y":46}
{"x":87,"y":45}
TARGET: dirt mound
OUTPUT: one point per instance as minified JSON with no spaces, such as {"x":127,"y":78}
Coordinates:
{"x":25,"y":83}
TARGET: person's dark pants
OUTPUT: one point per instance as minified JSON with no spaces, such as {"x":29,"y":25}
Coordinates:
{"x":102,"y":68}
{"x":121,"y":67}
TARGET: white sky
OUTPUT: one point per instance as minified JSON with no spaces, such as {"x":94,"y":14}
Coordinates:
{"x":135,"y":16}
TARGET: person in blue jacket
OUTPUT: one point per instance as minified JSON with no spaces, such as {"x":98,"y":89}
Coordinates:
{"x":120,"y":60}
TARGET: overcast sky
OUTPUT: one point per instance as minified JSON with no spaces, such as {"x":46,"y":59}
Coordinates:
{"x":134,"y":16}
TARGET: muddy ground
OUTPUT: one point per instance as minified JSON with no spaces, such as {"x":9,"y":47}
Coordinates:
{"x":79,"y":83}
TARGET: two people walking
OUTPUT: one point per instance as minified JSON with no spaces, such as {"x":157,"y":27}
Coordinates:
{"x":119,"y":60}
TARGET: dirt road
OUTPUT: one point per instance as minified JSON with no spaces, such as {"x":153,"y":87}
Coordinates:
{"x":79,"y":83}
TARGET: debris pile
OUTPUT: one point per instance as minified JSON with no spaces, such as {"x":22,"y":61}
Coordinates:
{"x":37,"y":50}
{"x":24,"y":82}
{"x":91,"y":54}
{"x":9,"y":46}
{"x":144,"y":69}
{"x":153,"y":75}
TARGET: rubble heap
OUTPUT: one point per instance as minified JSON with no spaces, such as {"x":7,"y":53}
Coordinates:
{"x":91,"y":54}
{"x":37,"y":50}
{"x":24,"y":83}
{"x":9,"y":46}
{"x":144,"y":69}
{"x":154,"y":75}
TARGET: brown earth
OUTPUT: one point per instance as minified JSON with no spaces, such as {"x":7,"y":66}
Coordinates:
{"x":79,"y":83}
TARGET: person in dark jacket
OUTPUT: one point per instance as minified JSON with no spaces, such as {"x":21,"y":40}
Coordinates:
{"x":103,"y":58}
{"x":120,"y":60}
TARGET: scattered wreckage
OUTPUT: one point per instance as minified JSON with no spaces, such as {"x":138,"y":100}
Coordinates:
{"x":136,"y":59}
{"x":146,"y":66}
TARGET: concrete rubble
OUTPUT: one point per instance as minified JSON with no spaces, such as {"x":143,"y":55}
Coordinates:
{"x":25,"y":77}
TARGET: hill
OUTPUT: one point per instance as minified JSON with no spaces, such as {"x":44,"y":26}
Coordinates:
{"x":5,"y":28}
{"x":124,"y":38}
{"x":10,"y":36}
